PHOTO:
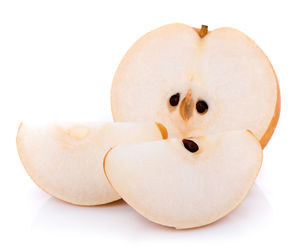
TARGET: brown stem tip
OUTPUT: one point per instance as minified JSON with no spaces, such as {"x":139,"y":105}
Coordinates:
{"x":203,"y":31}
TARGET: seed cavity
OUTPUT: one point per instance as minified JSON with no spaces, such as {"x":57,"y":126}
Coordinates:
{"x":174,"y":99}
{"x":190,"y":145}
{"x":201,"y":107}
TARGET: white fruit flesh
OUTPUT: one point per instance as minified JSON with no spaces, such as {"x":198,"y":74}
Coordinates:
{"x":65,"y":159}
{"x":171,"y":186}
{"x":225,"y":68}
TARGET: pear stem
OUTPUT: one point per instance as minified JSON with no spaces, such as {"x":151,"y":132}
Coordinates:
{"x":203,"y":31}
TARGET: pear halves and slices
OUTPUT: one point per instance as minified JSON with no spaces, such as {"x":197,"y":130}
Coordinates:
{"x":185,"y":183}
{"x":65,"y":159}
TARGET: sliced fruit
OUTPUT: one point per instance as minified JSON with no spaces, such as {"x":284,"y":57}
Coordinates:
{"x":197,"y":82}
{"x":65,"y":159}
{"x":185,"y":183}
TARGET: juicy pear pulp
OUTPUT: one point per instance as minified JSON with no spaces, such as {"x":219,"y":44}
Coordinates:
{"x":171,"y":186}
{"x":225,"y":69}
{"x":65,"y":159}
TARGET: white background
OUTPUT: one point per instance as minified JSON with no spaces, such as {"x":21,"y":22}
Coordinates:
{"x":57,"y":60}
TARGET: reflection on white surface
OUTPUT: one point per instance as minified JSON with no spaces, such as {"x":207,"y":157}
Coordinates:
{"x":119,"y":219}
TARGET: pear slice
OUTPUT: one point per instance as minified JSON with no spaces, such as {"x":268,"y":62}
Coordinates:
{"x":197,"y":82}
{"x":185,"y":183}
{"x":65,"y":159}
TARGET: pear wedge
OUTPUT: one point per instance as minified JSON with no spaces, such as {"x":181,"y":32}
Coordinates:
{"x":65,"y":159}
{"x":186,"y":183}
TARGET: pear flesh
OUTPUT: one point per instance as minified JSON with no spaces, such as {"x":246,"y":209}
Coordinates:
{"x":65,"y":159}
{"x":224,"y":68}
{"x":170,"y":185}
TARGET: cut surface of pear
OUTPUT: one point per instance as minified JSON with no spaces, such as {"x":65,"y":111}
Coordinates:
{"x":222,"y":81}
{"x":176,"y":184}
{"x":65,"y":159}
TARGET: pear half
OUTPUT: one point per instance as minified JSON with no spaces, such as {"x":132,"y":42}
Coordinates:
{"x":185,"y":183}
{"x":65,"y":159}
{"x":196,"y":86}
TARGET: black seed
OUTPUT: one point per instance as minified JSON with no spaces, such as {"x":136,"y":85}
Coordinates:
{"x":174,"y":99}
{"x":190,"y":145}
{"x":201,"y":107}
